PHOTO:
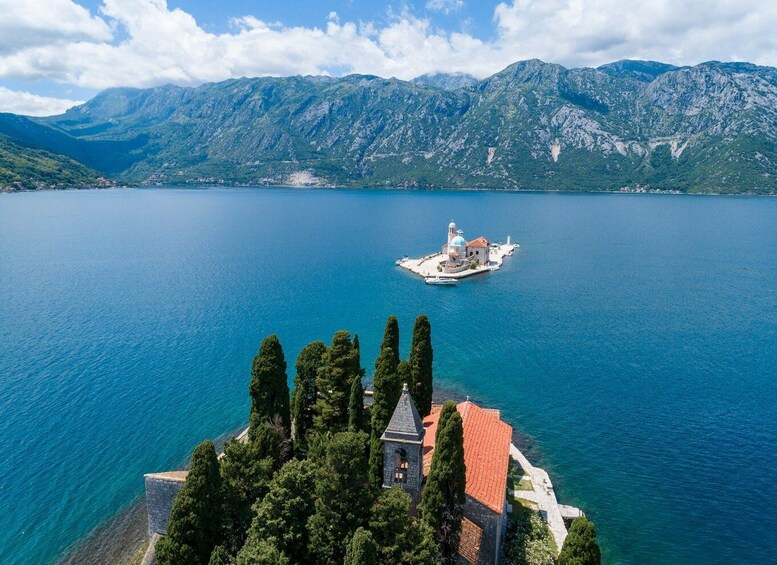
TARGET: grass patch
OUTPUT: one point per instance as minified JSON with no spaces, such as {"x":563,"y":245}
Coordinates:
{"x":522,"y":484}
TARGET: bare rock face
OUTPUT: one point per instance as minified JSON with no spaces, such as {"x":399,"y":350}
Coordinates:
{"x":707,"y":128}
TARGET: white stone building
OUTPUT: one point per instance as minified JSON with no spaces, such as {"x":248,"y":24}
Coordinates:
{"x":460,"y":254}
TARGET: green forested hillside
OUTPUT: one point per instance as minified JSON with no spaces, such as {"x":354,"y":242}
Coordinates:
{"x":630,"y":125}
{"x":25,"y":168}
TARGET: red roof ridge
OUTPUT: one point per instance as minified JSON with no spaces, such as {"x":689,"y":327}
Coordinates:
{"x":486,"y":452}
{"x":478,"y":242}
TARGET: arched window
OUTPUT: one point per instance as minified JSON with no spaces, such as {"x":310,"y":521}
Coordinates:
{"x":400,"y":466}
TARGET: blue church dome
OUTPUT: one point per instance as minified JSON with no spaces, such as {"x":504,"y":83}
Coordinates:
{"x":458,"y":241}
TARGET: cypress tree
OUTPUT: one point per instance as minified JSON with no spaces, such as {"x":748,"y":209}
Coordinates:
{"x":283,"y":513}
{"x":333,"y":383}
{"x":269,"y":388}
{"x":386,"y":392}
{"x":342,"y":497}
{"x":196,"y":520}
{"x":403,"y":374}
{"x":399,"y":538}
{"x":245,"y":474}
{"x":362,"y":549}
{"x":580,"y":547}
{"x":391,"y":337}
{"x":356,"y":421}
{"x":358,"y":351}
{"x":443,"y":498}
{"x":421,"y":357}
{"x":303,"y":401}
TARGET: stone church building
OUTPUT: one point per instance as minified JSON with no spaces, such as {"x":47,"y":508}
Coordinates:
{"x":408,"y":445}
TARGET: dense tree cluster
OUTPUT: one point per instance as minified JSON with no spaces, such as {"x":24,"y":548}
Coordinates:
{"x":306,"y":486}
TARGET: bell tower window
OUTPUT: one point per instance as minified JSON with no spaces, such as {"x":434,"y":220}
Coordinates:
{"x":400,"y":466}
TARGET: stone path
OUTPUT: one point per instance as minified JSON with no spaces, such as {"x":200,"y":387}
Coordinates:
{"x":544,"y":496}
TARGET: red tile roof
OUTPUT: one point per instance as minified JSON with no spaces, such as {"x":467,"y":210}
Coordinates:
{"x":479,"y":242}
{"x":469,"y":542}
{"x":486,"y":452}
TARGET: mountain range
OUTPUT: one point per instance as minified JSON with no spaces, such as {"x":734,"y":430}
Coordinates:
{"x":629,"y":125}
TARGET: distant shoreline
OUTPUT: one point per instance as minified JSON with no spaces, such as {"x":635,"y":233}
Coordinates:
{"x":206,"y":186}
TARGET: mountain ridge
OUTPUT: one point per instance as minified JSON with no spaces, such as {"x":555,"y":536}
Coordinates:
{"x":627,"y":125}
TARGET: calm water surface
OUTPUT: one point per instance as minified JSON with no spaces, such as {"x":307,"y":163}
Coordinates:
{"x":632,"y":338}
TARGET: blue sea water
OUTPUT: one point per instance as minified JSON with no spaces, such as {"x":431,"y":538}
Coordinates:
{"x":632,"y":339}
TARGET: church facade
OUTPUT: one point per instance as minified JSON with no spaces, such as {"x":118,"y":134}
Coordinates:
{"x":407,"y":455}
{"x":459,"y":253}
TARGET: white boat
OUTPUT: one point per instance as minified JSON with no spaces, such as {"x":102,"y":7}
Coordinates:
{"x":402,"y":260}
{"x":440,"y":280}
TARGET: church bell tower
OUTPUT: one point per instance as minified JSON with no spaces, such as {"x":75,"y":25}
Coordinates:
{"x":451,"y":231}
{"x":403,"y":446}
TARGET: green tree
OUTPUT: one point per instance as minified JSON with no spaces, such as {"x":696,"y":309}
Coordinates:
{"x":196,"y":520}
{"x":386,"y":392}
{"x":264,"y":552}
{"x":443,"y":498}
{"x":333,"y":383}
{"x":403,"y":374}
{"x":245,"y":472}
{"x":342,"y":497}
{"x":221,"y":556}
{"x":303,"y":400}
{"x":357,"y":348}
{"x":391,"y":337}
{"x":580,"y":547}
{"x":421,"y":357}
{"x":284,"y":512}
{"x":528,"y":540}
{"x":356,"y":422}
{"x":361,"y":550}
{"x":270,"y":440}
{"x":269,"y":388}
{"x":399,"y":538}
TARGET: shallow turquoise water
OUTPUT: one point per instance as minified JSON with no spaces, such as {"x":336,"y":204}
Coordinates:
{"x":633,"y":338}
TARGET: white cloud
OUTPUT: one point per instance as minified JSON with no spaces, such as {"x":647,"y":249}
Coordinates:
{"x":592,"y":32}
{"x":18,"y":102}
{"x":161,"y":45}
{"x":444,"y":6}
{"x":47,"y":22}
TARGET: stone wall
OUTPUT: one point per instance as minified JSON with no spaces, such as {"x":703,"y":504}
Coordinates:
{"x":161,"y":489}
{"x":415,"y":464}
{"x":492,"y":525}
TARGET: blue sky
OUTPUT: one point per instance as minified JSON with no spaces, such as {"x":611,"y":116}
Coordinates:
{"x":57,"y":53}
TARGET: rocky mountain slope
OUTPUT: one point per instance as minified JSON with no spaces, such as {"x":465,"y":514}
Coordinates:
{"x":631,"y":125}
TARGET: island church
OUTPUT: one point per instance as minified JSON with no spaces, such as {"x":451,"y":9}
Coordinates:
{"x":459,"y":252}
{"x":408,"y":446}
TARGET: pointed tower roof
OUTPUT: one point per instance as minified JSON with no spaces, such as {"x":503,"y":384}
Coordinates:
{"x":405,"y":424}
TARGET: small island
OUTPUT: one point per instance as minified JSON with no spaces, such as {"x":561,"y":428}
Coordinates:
{"x":333,"y":473}
{"x":459,"y":258}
